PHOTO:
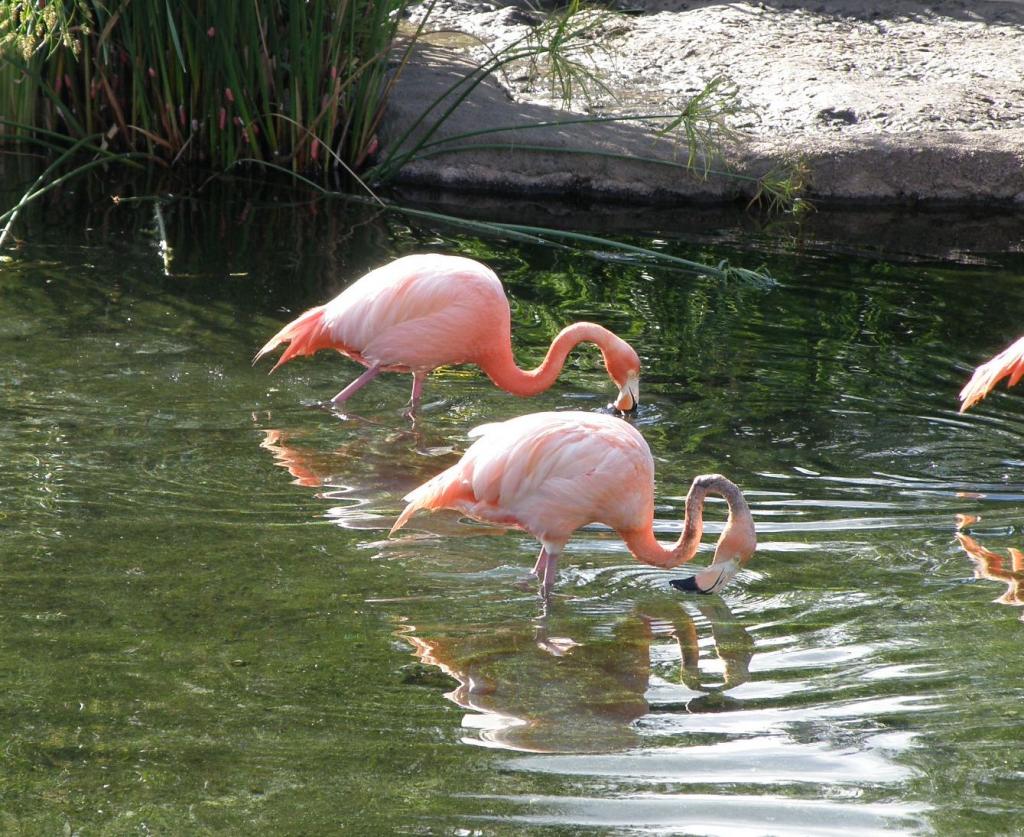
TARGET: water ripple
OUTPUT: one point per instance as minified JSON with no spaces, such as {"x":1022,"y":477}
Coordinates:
{"x":711,"y":815}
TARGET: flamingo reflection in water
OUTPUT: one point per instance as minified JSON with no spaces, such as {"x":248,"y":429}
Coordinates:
{"x":360,"y":476}
{"x":992,"y":566}
{"x":531,"y":690}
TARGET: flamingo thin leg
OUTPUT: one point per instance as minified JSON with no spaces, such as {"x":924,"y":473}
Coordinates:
{"x":546,"y":569}
{"x":541,"y":565}
{"x":360,"y":382}
{"x":417,"y":390}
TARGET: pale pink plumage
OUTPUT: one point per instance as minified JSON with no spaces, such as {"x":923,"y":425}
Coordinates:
{"x":1010,"y":362}
{"x":429,"y":310}
{"x":551,"y":473}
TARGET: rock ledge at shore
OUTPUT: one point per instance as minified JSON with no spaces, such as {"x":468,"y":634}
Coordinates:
{"x":899,"y":102}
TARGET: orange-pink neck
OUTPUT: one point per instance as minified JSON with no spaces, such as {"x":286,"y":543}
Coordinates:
{"x":647,"y":548}
{"x":737,"y":540}
{"x":502,"y":369}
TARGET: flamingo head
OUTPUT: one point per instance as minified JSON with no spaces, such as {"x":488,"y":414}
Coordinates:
{"x":709,"y":580}
{"x":732,"y":552}
{"x":736,"y":544}
{"x":623,"y":365}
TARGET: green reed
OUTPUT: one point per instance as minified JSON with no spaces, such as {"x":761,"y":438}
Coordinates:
{"x":200,"y":80}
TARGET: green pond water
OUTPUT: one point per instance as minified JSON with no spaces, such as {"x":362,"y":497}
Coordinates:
{"x":204,"y":627}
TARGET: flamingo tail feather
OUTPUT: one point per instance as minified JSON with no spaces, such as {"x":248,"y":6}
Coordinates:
{"x":304,"y":335}
{"x":445,"y":491}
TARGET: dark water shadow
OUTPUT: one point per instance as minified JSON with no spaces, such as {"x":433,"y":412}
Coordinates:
{"x":900,"y":234}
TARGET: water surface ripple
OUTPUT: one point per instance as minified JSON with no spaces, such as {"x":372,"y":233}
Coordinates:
{"x":206,"y":627}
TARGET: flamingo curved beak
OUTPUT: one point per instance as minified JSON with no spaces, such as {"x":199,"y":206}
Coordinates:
{"x":629,"y":394}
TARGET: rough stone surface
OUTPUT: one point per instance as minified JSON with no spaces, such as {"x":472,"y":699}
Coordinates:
{"x":884,"y":102}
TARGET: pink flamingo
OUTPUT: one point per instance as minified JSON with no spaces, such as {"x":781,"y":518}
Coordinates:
{"x":1010,"y":362}
{"x":551,"y":473}
{"x":429,"y":310}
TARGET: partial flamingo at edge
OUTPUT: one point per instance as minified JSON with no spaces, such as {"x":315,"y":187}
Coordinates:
{"x":1009,"y":362}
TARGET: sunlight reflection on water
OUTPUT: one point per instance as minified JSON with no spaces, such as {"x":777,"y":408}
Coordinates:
{"x":749,"y":814}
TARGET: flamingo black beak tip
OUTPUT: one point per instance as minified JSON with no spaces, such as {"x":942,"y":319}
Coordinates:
{"x":688,"y":585}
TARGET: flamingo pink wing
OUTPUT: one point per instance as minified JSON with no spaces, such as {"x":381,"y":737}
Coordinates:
{"x":420,"y":312}
{"x":554,"y":472}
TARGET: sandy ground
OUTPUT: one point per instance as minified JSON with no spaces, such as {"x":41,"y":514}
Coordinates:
{"x":891,"y":102}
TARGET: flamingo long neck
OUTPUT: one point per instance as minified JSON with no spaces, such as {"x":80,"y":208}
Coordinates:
{"x":502,"y":369}
{"x":736,"y":541}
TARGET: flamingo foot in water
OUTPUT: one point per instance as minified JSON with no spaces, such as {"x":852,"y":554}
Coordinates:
{"x":526,"y":583}
{"x":543,"y":571}
{"x":535,"y":575}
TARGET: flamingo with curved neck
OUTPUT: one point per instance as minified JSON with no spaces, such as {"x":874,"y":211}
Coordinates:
{"x":551,"y":473}
{"x":429,"y":310}
{"x":501,"y":367}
